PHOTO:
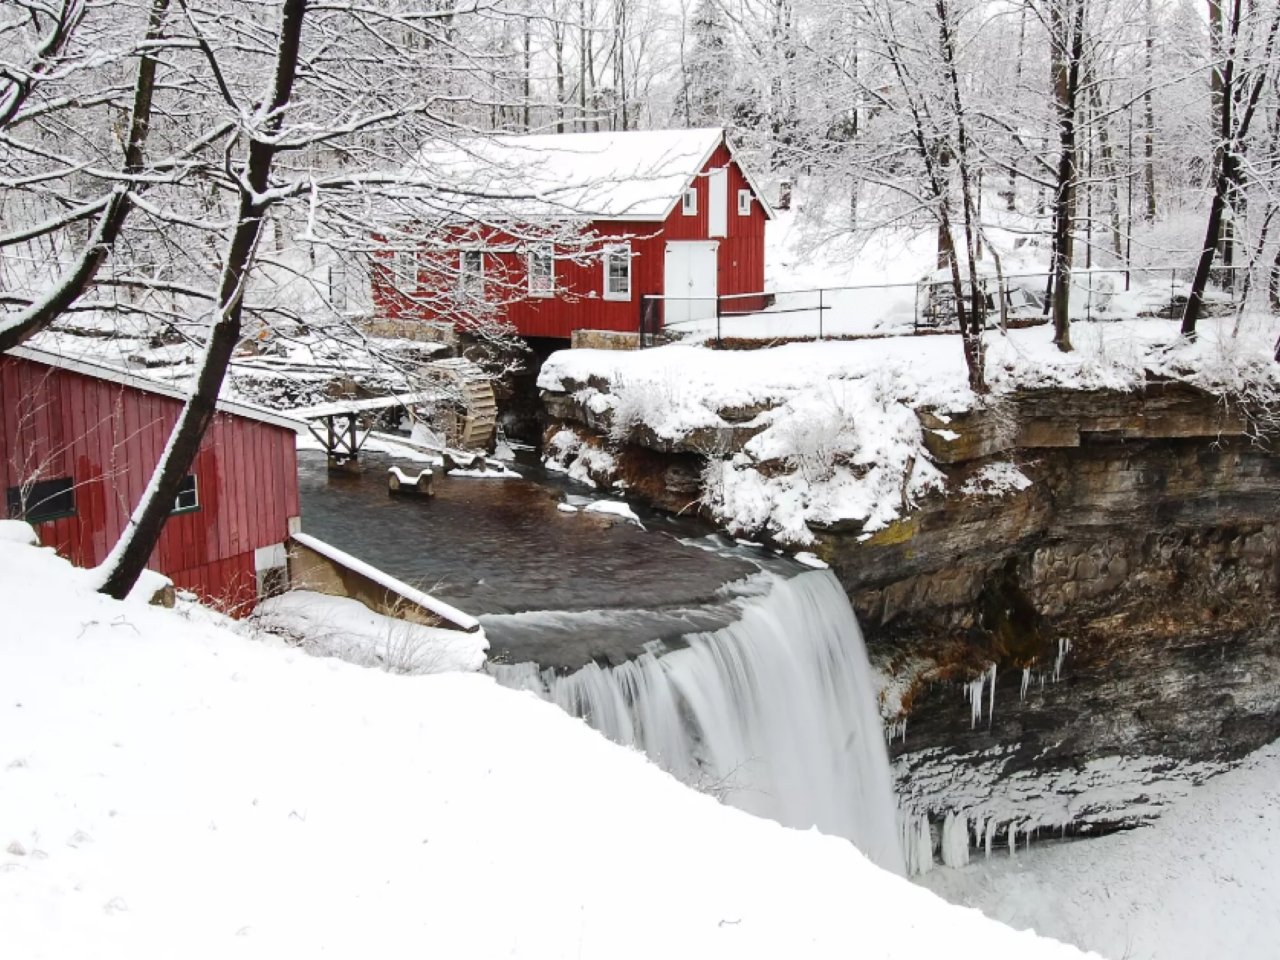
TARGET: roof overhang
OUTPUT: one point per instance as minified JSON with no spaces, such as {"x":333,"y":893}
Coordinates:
{"x":127,"y":379}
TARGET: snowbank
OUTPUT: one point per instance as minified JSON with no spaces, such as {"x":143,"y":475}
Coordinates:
{"x":171,"y":787}
{"x":1200,"y":882}
{"x":837,"y":434}
{"x":347,"y":629}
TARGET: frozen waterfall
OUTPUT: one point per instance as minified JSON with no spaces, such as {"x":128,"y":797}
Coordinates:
{"x":774,"y":714}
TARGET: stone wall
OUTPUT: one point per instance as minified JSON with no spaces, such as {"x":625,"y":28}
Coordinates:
{"x":311,"y":569}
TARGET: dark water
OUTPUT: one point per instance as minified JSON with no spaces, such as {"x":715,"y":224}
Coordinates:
{"x":558,"y":588}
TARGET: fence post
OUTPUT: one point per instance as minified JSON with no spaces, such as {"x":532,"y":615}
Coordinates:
{"x":820,"y":308}
{"x":718,"y":321}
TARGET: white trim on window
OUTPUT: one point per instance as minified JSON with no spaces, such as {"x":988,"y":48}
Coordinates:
{"x":689,"y":202}
{"x":188,"y":498}
{"x":471,"y":273}
{"x":540,"y":264}
{"x":617,"y":272}
{"x":744,"y":203}
{"x":404,"y":271}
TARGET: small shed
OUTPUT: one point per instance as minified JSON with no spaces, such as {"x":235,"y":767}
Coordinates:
{"x":669,"y":214}
{"x":80,"y":441}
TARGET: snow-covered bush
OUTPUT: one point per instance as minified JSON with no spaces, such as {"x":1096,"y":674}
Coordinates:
{"x":566,"y":452}
{"x":816,"y":434}
{"x":646,"y":401}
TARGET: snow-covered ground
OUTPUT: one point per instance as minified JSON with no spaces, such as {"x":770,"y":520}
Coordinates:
{"x":1199,"y":882}
{"x":169,"y":787}
{"x":839,"y":438}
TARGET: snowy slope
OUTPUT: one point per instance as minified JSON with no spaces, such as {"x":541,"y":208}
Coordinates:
{"x":172,"y":789}
{"x":1199,"y":882}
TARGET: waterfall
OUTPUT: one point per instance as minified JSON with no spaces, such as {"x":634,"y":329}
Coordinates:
{"x":774,"y":714}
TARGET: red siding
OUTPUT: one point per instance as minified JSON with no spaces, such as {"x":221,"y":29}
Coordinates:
{"x":579,"y":303}
{"x":108,"y":437}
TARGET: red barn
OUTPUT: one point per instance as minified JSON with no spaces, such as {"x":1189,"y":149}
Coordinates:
{"x":571,"y":231}
{"x":80,"y":442}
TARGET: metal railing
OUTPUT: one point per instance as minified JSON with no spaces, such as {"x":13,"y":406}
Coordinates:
{"x":1020,"y":298}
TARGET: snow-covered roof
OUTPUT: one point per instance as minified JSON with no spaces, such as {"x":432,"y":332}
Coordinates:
{"x":126,"y":378}
{"x":613,"y":175}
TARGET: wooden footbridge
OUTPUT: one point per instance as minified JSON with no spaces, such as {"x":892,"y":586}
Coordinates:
{"x":336,"y":425}
{"x":460,"y":388}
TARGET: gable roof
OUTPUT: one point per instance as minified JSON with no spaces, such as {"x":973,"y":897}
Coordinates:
{"x":613,"y":175}
{"x":125,"y":378}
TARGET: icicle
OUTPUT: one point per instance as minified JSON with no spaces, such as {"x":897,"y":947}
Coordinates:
{"x":955,"y":840}
{"x":1026,"y":682}
{"x":973,"y":693}
{"x":925,"y":842}
{"x":1064,"y":647}
{"x":917,"y":841}
{"x":991,"y":836}
{"x":991,"y":703}
{"x":1012,"y":836}
{"x":896,"y":729}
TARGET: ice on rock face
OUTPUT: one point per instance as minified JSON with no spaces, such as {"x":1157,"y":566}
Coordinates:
{"x":1064,"y":647}
{"x":955,"y":840}
{"x":917,"y":842}
{"x":973,"y":693}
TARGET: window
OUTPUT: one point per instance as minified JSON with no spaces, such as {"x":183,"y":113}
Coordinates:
{"x":405,"y":269}
{"x":744,"y":203}
{"x":617,"y":273}
{"x":542,"y":272}
{"x":43,"y":500}
{"x":689,"y":202}
{"x":188,"y":497}
{"x":471,"y":273}
{"x":338,"y":285}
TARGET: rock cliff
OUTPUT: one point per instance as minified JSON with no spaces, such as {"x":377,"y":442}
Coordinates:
{"x":1084,"y":621}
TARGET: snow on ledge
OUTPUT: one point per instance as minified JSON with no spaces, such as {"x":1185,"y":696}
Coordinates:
{"x":383,"y":579}
{"x":347,"y":629}
{"x":614,"y":508}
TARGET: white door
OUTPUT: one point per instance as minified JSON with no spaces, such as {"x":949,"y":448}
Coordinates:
{"x":689,"y":279}
{"x":718,"y":206}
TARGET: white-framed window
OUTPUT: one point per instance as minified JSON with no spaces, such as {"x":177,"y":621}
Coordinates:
{"x":542,"y":272}
{"x":405,"y":269}
{"x":617,"y":273}
{"x":689,"y":202}
{"x":744,"y":203}
{"x":471,"y":273}
{"x":188,"y":497}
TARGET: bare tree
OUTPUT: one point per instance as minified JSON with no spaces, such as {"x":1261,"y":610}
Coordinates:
{"x":1238,"y":84}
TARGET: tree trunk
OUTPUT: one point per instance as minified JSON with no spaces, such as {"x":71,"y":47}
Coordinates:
{"x":1149,"y":118}
{"x":129,"y":556}
{"x":1068,"y":49}
{"x":559,"y":47}
{"x":528,"y":75}
{"x":1110,"y":174}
